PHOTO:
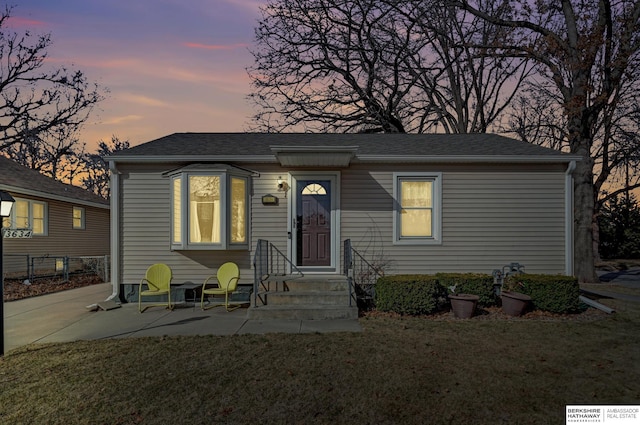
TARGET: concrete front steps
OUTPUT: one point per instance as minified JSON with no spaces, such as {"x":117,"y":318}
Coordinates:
{"x":315,"y":297}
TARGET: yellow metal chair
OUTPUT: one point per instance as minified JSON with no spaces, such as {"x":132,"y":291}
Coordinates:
{"x":158,"y":280}
{"x":227,"y":279}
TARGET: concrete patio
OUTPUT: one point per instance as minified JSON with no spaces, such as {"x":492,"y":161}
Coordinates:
{"x":63,"y":317}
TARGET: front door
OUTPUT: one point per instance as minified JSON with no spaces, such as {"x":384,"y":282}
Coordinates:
{"x":313,"y":222}
{"x":315,"y":225}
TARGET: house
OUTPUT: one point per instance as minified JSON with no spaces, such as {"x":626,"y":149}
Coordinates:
{"x":406,"y":203}
{"x":49,"y":221}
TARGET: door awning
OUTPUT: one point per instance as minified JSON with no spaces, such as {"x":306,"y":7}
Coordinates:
{"x":314,"y":156}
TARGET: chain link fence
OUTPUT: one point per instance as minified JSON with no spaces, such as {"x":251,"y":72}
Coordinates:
{"x":33,"y":267}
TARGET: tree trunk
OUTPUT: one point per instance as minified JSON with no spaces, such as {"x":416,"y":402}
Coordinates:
{"x":584,"y":266}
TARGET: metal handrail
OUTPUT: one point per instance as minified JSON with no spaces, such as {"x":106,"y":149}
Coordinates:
{"x":348,"y":270}
{"x":361,"y":274}
{"x":268,"y":263}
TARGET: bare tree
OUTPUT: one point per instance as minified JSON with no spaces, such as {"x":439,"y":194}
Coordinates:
{"x":96,"y":169}
{"x":50,"y":154}
{"x":583,"y":50}
{"x":40,"y":108}
{"x":468,"y":89}
{"x":376,"y":65}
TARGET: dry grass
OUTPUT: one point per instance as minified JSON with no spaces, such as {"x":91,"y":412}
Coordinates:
{"x":398,"y":370}
{"x":613,"y":287}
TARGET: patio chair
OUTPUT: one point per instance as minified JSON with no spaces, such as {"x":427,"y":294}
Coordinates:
{"x":158,"y":280}
{"x":227,"y":280}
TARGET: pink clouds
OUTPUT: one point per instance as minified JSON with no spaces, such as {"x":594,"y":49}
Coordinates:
{"x":214,"y":46}
{"x":17,"y":22}
{"x":168,"y":66}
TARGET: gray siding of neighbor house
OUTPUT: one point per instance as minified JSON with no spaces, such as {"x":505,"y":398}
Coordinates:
{"x":62,"y":239}
{"x":491,"y":216}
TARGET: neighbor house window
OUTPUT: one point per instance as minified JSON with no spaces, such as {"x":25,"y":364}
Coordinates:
{"x":209,"y":208}
{"x":78,"y":218}
{"x":28,"y":214}
{"x":417,"y":208}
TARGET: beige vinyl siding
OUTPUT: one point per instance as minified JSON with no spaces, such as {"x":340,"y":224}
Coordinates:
{"x":146,"y":227}
{"x":145,"y":224}
{"x":491,"y":216}
{"x":367,"y":213}
{"x":269,"y":221}
{"x":489,"y":219}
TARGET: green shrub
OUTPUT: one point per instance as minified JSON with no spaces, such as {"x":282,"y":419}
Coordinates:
{"x":553,"y":293}
{"x":409,"y":294}
{"x":471,"y":283}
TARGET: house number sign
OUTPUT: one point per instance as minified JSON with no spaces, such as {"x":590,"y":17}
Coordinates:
{"x":17,"y":233}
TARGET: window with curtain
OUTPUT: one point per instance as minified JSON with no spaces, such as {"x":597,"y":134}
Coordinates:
{"x":238,"y":210}
{"x":417,"y":211}
{"x":176,"y":230}
{"x":204,"y":209}
{"x":28,"y":214}
{"x":209,"y":209}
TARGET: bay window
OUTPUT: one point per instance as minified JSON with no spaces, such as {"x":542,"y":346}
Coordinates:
{"x":209,"y":207}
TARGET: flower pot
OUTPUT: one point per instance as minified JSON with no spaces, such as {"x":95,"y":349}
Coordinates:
{"x":514,"y":303}
{"x":463,"y":305}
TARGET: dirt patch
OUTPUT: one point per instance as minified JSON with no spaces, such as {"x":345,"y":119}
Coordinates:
{"x":17,"y":290}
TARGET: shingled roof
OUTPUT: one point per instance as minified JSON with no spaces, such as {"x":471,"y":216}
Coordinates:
{"x":18,"y":179}
{"x":366,"y":147}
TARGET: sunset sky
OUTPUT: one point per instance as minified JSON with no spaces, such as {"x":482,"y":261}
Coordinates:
{"x":169,"y":65}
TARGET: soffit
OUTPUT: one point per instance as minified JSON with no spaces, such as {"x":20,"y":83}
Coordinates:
{"x":314,"y":156}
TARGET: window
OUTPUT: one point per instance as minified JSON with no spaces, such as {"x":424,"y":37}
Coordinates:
{"x":238,"y":210}
{"x":28,"y":214}
{"x":417,"y":212}
{"x":314,"y":189}
{"x":204,"y":209}
{"x":78,"y":218}
{"x":209,"y":208}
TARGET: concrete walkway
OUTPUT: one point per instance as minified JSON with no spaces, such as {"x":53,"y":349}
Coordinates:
{"x":626,"y":278}
{"x":63,"y":317}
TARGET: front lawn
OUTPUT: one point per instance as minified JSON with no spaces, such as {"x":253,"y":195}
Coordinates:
{"x":402,"y":370}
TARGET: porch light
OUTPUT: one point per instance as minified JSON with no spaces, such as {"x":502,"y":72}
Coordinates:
{"x":283,"y":186}
{"x":6,"y":203}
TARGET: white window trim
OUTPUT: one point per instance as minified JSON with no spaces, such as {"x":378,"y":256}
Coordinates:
{"x":31,"y":202}
{"x":225,"y":216}
{"x":82,"y":218}
{"x":436,"y":238}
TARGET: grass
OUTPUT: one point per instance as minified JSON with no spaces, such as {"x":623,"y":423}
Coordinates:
{"x":403,"y":370}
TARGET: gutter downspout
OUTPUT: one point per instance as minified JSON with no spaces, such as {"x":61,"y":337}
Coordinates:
{"x":568,"y":214}
{"x":114,"y":185}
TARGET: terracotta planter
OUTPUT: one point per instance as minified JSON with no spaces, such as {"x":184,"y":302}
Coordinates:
{"x":464,"y":305}
{"x":514,"y":303}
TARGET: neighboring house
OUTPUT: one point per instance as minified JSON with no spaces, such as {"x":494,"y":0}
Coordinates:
{"x":409,"y":203}
{"x":62,"y":220}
